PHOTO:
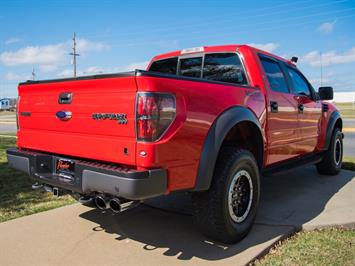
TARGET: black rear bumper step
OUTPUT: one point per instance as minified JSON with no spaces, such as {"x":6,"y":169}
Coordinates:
{"x":91,"y":176}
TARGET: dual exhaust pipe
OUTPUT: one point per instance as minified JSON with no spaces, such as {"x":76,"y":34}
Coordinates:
{"x":117,"y":205}
{"x":101,"y":201}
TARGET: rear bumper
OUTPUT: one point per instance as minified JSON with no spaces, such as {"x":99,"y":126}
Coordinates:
{"x":90,"y":176}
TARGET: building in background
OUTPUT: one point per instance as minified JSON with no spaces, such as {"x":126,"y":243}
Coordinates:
{"x":344,"y":97}
{"x":7,"y":104}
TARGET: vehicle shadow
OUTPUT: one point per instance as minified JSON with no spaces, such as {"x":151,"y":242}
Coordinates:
{"x":297,"y":197}
{"x":172,"y":233}
{"x":165,"y":223}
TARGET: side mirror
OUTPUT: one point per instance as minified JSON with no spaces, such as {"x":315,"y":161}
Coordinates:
{"x":325,"y":93}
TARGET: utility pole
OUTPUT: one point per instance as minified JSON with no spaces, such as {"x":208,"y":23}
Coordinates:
{"x":33,"y":74}
{"x":74,"y":54}
{"x":321,"y":69}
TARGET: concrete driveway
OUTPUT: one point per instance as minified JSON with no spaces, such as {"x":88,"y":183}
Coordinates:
{"x":161,"y":232}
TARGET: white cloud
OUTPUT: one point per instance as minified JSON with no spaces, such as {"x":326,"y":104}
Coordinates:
{"x":84,"y":45}
{"x":12,"y":40}
{"x":48,"y":67}
{"x":268,"y":47}
{"x":10,"y":76}
{"x":65,"y":73}
{"x":42,"y":55}
{"x":93,"y":70}
{"x":326,"y":27}
{"x":48,"y":57}
{"x":329,"y":58}
{"x":134,"y":66}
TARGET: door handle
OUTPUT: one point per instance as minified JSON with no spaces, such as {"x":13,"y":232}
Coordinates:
{"x":300,"y":108}
{"x":274,"y":107}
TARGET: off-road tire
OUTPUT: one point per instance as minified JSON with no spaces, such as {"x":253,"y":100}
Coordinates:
{"x":211,"y":209}
{"x":332,"y":161}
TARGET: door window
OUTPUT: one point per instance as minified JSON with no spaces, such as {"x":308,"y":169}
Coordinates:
{"x":275,"y":76}
{"x":225,"y":67}
{"x":300,"y":85}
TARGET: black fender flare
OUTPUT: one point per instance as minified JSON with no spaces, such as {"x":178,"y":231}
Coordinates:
{"x":333,"y":119}
{"x":213,"y":142}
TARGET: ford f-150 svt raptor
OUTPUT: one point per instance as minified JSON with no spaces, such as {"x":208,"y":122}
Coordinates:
{"x":207,"y":120}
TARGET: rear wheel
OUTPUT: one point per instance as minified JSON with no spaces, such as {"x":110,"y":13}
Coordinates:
{"x":227,"y":210}
{"x":332,"y":160}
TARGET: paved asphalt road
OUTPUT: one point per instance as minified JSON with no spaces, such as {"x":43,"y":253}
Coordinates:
{"x":349,"y":122}
{"x":349,"y":144}
{"x":7,"y":128}
{"x":349,"y":140}
{"x":7,"y":124}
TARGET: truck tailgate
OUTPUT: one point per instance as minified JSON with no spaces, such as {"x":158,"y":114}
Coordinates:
{"x":93,"y":130}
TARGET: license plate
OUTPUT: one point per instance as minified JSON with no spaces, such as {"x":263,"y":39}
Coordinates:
{"x":65,"y":168}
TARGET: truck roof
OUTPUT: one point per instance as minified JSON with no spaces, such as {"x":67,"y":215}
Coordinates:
{"x":216,"y":48}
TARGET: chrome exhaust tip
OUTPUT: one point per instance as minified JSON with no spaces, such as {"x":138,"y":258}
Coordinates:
{"x":48,"y":188}
{"x":85,"y":199}
{"x":115,"y":205}
{"x":37,"y":185}
{"x":101,"y":202}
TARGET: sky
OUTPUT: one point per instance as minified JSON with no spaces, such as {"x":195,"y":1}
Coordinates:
{"x":115,"y":36}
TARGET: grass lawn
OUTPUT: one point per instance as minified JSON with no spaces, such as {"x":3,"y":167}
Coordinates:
{"x":7,"y":113}
{"x":16,"y":196}
{"x":349,"y":163}
{"x":346,"y":109}
{"x":320,"y":247}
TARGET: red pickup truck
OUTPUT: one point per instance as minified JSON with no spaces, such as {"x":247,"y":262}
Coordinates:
{"x":207,"y":120}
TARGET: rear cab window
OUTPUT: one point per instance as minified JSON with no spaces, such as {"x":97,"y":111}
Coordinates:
{"x":220,"y":67}
{"x":191,"y":67}
{"x":167,"y":66}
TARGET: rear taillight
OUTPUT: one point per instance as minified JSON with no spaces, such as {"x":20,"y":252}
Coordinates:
{"x":154,"y":114}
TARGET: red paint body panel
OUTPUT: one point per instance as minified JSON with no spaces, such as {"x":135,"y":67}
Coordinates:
{"x":80,"y":136}
{"x":181,"y":146}
{"x":198,"y":105}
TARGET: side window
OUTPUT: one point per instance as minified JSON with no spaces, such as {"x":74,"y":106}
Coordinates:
{"x":168,"y":66}
{"x":224,"y":67}
{"x":191,"y":67}
{"x":274,"y":75}
{"x":300,"y":85}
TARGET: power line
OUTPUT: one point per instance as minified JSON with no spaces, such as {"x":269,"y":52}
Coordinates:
{"x":74,"y":54}
{"x":233,"y":33}
{"x":321,"y":69}
{"x":214,"y":21}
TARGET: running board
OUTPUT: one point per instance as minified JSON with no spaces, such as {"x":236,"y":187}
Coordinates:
{"x":289,"y":165}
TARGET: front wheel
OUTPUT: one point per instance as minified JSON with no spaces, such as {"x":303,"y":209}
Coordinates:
{"x":332,"y":160}
{"x":226,"y":211}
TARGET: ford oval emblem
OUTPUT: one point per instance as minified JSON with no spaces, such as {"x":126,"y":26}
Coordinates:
{"x":63,"y":115}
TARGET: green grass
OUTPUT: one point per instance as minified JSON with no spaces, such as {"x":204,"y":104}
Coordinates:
{"x":12,"y":134}
{"x":320,"y":247}
{"x":7,"y":113}
{"x":349,"y":163}
{"x":346,"y":109}
{"x":16,"y":196}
